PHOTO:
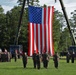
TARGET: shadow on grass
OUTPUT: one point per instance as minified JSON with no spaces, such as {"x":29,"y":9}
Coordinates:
{"x":12,"y":68}
{"x":15,"y":68}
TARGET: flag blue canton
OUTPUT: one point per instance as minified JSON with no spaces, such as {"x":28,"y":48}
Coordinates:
{"x":35,"y":15}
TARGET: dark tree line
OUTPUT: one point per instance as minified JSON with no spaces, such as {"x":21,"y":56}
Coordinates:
{"x":9,"y":25}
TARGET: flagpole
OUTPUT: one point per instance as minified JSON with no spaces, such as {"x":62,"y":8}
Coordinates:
{"x":66,"y":17}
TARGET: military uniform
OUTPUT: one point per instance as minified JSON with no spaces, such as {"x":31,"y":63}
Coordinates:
{"x":55,"y":59}
{"x":38,"y":60}
{"x":24,"y":58}
{"x":72,"y":57}
{"x":68,"y":57}
{"x":45,"y":60}
{"x":34,"y":59}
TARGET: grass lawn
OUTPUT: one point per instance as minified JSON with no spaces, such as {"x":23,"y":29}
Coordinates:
{"x":16,"y":68}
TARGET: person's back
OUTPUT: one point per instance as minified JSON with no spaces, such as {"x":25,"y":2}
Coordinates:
{"x":34,"y":59}
{"x":55,"y":58}
{"x":24,"y":58}
{"x":68,"y":57}
{"x":38,"y":60}
{"x":34,"y":56}
{"x":72,"y":57}
{"x":45,"y":60}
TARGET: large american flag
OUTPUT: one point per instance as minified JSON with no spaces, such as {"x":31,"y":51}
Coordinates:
{"x":40,"y":30}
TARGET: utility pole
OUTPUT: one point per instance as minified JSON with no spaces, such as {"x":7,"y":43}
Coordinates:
{"x":67,"y":21}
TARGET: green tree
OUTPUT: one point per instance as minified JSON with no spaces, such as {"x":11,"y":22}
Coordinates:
{"x":57,"y":28}
{"x":12,"y":22}
{"x":3,"y":29}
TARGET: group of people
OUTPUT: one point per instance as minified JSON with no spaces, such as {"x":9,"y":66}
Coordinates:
{"x":37,"y":59}
{"x":45,"y":59}
{"x":5,"y":56}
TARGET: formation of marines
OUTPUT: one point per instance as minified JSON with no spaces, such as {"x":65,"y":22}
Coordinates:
{"x":38,"y":58}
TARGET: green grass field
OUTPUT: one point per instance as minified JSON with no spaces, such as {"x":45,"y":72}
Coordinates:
{"x":16,"y":68}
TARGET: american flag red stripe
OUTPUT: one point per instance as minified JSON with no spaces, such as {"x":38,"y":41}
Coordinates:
{"x":40,"y":35}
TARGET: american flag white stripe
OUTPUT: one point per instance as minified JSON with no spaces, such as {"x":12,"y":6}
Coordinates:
{"x":34,"y":37}
{"x":46,"y":29}
{"x":42,"y":29}
{"x":51,"y":33}
{"x":39,"y":39}
{"x":51,"y":39}
{"x":31,"y":39}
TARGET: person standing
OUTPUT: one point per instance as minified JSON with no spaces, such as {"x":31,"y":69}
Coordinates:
{"x":68,"y":57}
{"x":55,"y":59}
{"x":24,"y":58}
{"x":72,"y":57}
{"x":45,"y":59}
{"x":34,"y":59}
{"x":38,"y":60}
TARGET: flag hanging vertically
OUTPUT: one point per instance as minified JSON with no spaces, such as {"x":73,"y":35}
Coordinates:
{"x":40,"y":30}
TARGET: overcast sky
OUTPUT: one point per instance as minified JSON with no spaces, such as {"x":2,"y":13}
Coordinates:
{"x":8,"y":4}
{"x":70,"y":5}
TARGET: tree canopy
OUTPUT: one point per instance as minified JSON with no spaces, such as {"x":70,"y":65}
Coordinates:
{"x":9,"y":25}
